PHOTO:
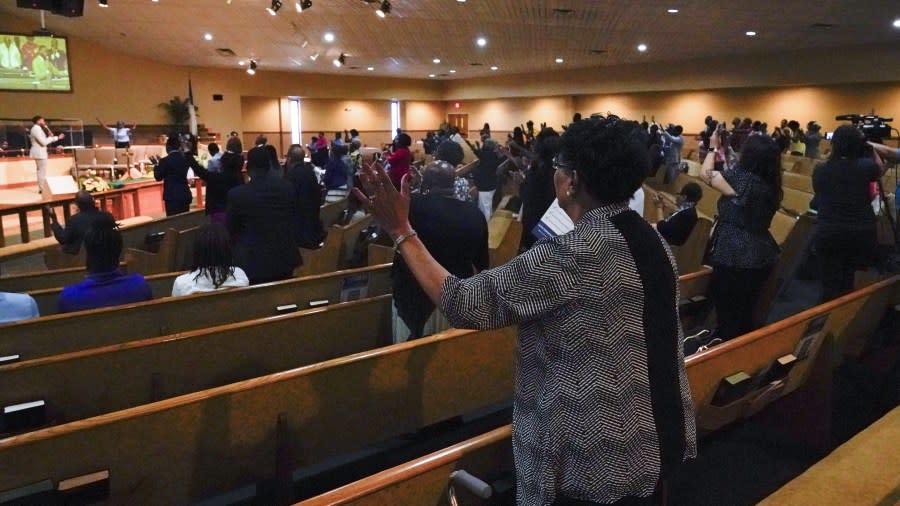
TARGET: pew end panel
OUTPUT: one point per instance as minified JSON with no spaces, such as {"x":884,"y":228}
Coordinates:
{"x":324,"y":259}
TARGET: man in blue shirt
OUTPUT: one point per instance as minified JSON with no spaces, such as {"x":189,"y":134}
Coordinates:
{"x":105,"y":285}
{"x":17,"y":306}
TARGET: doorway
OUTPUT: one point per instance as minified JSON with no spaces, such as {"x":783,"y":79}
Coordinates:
{"x":460,"y":121}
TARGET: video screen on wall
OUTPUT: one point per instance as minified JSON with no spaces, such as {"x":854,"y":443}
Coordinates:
{"x":34,"y":63}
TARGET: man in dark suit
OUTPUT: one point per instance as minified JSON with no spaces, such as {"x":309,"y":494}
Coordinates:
{"x":263,"y":216}
{"x":71,"y":237}
{"x":172,"y":170}
{"x":676,"y":228}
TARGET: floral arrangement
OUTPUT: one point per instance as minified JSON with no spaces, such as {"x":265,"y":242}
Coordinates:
{"x":93,"y":183}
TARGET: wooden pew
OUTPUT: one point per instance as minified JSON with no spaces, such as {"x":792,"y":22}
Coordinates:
{"x":689,"y":256}
{"x":794,"y":248}
{"x":504,"y":236}
{"x":41,"y":280}
{"x":425,"y":481}
{"x":797,"y":181}
{"x":92,"y":382}
{"x":862,"y":471}
{"x":781,"y":226}
{"x":331,"y":212}
{"x":198,"y":445}
{"x":134,"y":231}
{"x":796,"y":202}
{"x":350,"y":237}
{"x":64,"y":333}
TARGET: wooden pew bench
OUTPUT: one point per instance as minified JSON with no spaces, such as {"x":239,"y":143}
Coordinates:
{"x":425,"y":481}
{"x":64,"y":333}
{"x":862,"y":471}
{"x":202,"y":444}
{"x":92,"y":382}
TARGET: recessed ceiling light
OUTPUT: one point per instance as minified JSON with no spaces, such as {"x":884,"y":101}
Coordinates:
{"x":751,"y":33}
{"x":430,"y":75}
{"x":370,"y":68}
{"x":494,"y":67}
{"x":328,"y":37}
{"x":559,"y":60}
{"x":897,"y":23}
{"x":672,"y":11}
{"x":481,"y":41}
{"x":461,"y":1}
{"x":436,"y":60}
{"x":207,"y":36}
{"x":642,"y":47}
{"x":453,"y":71}
{"x":242,"y":63}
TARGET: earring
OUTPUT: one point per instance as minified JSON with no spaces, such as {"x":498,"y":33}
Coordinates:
{"x":569,"y":193}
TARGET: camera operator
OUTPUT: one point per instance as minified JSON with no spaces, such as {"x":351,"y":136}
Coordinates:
{"x":886,"y":152}
{"x":846,"y":237}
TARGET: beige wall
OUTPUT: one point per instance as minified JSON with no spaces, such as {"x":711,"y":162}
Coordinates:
{"x":504,"y":114}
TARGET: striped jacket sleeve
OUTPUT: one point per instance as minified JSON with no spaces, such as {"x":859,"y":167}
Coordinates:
{"x":534,"y":283}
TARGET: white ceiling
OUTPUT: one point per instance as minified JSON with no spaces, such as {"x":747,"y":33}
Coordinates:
{"x":523,"y":35}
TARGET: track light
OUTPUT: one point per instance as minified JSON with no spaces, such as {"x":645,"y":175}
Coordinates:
{"x":252,"y":69}
{"x":274,"y":8}
{"x":302,"y":5}
{"x":102,"y":3}
{"x":384,"y":10}
{"x":340,"y":60}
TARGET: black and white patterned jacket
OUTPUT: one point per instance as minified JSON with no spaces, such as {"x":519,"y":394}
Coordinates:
{"x":602,"y":405}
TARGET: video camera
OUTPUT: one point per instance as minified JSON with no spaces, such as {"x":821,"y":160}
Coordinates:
{"x":874,"y":127}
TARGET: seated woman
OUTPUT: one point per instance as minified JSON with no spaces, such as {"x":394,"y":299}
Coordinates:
{"x":213,"y":265}
{"x":678,"y":226}
{"x":105,"y":285}
{"x":17,"y":306}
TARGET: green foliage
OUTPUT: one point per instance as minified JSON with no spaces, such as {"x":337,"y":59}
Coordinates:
{"x":177,"y":110}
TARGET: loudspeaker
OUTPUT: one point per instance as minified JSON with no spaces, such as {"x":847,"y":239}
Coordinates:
{"x":69,"y":8}
{"x":36,"y":4}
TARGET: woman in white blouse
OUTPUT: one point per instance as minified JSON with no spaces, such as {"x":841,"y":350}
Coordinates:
{"x":213,"y":266}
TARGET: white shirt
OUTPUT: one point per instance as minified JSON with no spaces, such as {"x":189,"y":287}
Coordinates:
{"x":10,"y":58}
{"x":186,"y":284}
{"x":637,"y":202}
{"x":120,"y":134}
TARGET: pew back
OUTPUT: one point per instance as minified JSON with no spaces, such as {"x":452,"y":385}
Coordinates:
{"x":229,"y":436}
{"x":63,"y":333}
{"x":160,"y":284}
{"x":88,"y":383}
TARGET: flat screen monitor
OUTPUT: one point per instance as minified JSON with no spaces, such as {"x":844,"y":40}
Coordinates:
{"x":34,"y":63}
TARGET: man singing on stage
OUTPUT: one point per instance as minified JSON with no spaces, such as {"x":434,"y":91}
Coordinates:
{"x":41,"y":137}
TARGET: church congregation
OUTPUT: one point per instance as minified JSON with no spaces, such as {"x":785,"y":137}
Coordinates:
{"x":610,"y":277}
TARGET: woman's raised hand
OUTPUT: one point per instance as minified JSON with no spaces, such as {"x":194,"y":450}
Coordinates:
{"x":389,"y":207}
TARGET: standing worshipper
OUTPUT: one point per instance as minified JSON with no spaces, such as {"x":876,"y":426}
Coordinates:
{"x":262,"y":215}
{"x":602,"y":409}
{"x":121,"y":133}
{"x":173,"y":171}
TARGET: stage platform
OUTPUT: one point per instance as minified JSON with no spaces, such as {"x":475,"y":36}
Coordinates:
{"x":21,"y":173}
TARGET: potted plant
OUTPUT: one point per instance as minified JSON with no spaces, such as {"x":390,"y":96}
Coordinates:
{"x":178,"y":112}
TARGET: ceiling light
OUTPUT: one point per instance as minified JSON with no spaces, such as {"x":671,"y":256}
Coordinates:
{"x":897,"y":23}
{"x":494,"y":67}
{"x":102,"y":3}
{"x":481,"y":41}
{"x":751,"y":33}
{"x":252,"y":69}
{"x":242,"y":63}
{"x":207,"y":36}
{"x":384,"y":10}
{"x":302,"y":5}
{"x":340,"y":60}
{"x":559,"y":60}
{"x":274,"y":8}
{"x":314,"y":56}
{"x":642,"y":47}
{"x":436,"y":60}
{"x":453,"y":71}
{"x":672,"y":11}
{"x":461,"y":1}
{"x":370,"y":68}
{"x":328,"y":37}
{"x":430,"y":75}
